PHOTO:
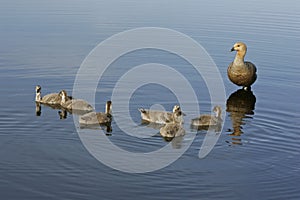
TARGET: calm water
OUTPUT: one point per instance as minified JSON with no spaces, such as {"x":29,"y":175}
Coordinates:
{"x":257,"y":154}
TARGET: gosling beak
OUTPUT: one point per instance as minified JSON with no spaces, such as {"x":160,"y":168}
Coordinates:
{"x":232,"y":49}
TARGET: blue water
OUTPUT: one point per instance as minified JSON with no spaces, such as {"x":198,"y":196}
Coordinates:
{"x":257,"y":154}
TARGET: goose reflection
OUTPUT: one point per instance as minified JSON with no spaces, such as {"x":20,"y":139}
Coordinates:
{"x":240,"y":105}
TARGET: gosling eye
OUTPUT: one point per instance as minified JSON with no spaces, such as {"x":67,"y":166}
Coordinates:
{"x":238,"y":45}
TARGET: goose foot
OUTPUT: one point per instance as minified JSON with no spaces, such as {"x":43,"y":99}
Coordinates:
{"x":247,"y":88}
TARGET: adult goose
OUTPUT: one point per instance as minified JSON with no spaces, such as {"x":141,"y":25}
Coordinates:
{"x":240,"y":72}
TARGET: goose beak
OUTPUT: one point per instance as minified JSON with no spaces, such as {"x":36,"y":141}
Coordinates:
{"x":232,"y":49}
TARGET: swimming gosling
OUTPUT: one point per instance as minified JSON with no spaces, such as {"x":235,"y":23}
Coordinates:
{"x":162,"y":117}
{"x":208,"y":120}
{"x":240,"y":72}
{"x":171,"y":130}
{"x":74,"y":104}
{"x":93,"y":118}
{"x":52,"y":98}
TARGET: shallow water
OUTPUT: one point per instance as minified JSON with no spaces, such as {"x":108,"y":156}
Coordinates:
{"x":256,"y":155}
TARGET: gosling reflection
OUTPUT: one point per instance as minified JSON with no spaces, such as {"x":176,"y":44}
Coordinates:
{"x":53,"y":106}
{"x":176,"y":142}
{"x":38,"y":109}
{"x":104,"y":126}
{"x":63,"y":114}
{"x":170,"y":132}
{"x":240,"y":105}
{"x":151,"y":125}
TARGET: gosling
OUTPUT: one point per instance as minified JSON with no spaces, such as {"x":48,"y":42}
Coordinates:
{"x":74,"y":104}
{"x":162,"y":117}
{"x":171,"y":130}
{"x":93,"y":118}
{"x":208,"y":120}
{"x":52,"y":98}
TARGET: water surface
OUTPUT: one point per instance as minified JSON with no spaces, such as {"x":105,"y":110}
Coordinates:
{"x":257,"y":154}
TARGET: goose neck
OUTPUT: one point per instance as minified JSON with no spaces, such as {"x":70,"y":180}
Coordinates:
{"x":239,"y":58}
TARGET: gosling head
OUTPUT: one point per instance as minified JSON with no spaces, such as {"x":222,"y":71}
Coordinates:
{"x":63,"y":95}
{"x":218,"y":111}
{"x":176,"y":108}
{"x":178,"y":114}
{"x":177,"y":111}
{"x":239,"y":47}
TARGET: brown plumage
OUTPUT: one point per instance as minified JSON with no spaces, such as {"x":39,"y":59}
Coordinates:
{"x":240,"y":72}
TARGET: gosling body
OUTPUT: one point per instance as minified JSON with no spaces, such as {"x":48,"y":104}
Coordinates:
{"x":74,"y":104}
{"x":162,"y":117}
{"x":171,"y":130}
{"x":207,"y":120}
{"x":93,"y":118}
{"x":51,"y":99}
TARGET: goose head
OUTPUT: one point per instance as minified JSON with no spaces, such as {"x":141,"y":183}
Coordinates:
{"x":239,"y":46}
